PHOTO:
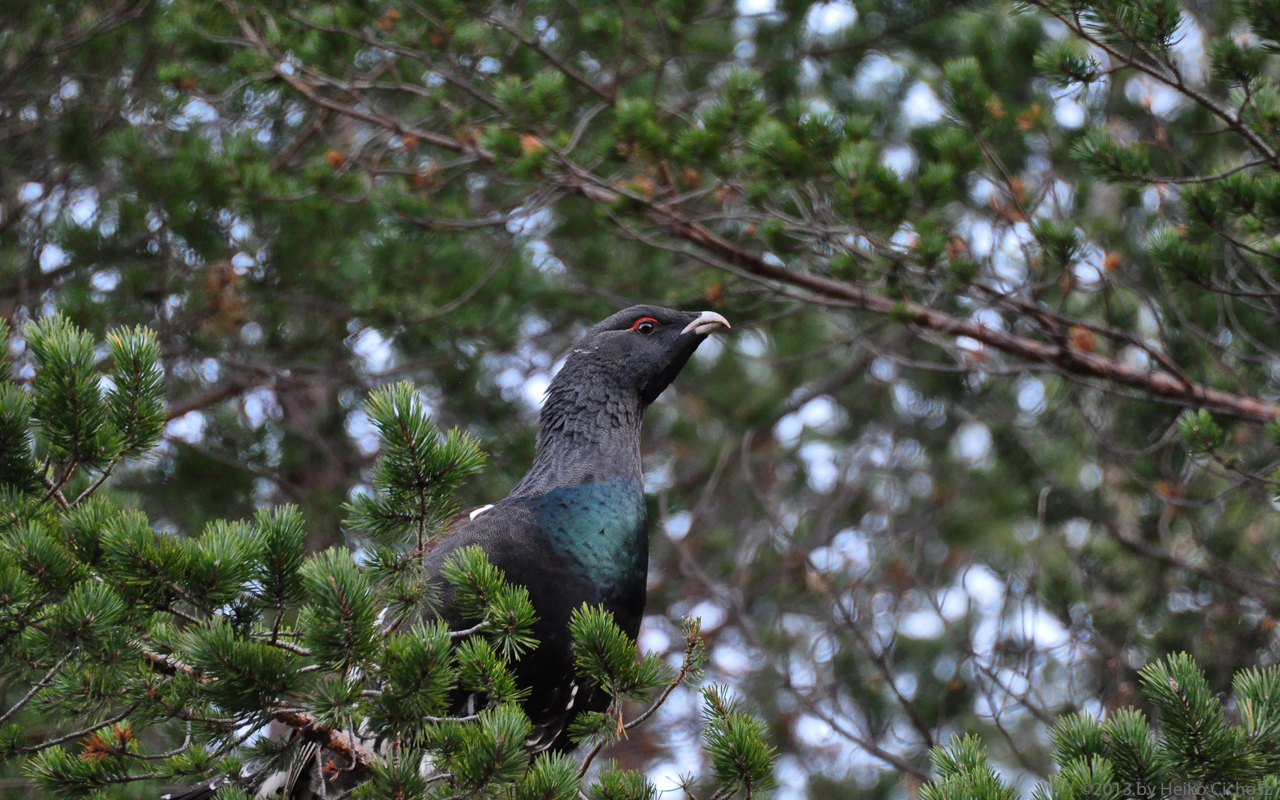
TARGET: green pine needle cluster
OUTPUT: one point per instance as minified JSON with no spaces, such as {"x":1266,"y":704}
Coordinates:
{"x":741,"y":761}
{"x":481,"y":593}
{"x":1191,"y":748}
{"x":606,"y":656}
{"x":86,"y":419}
{"x":126,"y":635}
{"x":417,"y":474}
{"x":1200,"y":432}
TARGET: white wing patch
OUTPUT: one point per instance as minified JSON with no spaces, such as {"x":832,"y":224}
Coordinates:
{"x":480,"y":511}
{"x":273,"y":785}
{"x":427,"y":767}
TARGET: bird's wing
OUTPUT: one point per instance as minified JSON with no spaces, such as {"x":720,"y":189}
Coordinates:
{"x":503,"y":529}
{"x":457,"y":523}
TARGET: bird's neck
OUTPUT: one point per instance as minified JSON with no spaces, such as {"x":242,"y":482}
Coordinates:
{"x":585,"y":489}
{"x":586,"y":434}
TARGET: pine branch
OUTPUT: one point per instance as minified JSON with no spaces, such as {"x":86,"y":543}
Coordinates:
{"x":122,"y":716}
{"x":686,"y":665}
{"x":340,"y":743}
{"x":95,"y":486}
{"x":689,"y":664}
{"x":300,"y":721}
{"x":605,"y":95}
{"x":361,"y":112}
{"x":38,"y":686}
{"x":1158,"y":384}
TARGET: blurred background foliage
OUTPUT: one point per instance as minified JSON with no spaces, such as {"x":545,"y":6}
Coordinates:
{"x":979,"y":257}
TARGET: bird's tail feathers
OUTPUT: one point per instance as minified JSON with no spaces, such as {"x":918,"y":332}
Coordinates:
{"x":268,"y":781}
{"x":201,"y":791}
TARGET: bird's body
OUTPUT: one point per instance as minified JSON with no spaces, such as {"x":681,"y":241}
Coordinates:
{"x":569,"y":546}
{"x":574,"y":530}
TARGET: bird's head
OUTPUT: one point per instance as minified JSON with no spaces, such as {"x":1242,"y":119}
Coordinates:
{"x":639,"y":351}
{"x":589,"y":425}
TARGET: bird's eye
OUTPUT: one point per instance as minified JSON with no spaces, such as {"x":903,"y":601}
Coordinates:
{"x":645,"y":325}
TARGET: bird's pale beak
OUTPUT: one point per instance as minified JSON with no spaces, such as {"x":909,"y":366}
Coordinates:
{"x":708,"y":322}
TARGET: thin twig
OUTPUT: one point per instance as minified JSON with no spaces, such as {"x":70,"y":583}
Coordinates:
{"x":469,"y":631}
{"x":84,"y":732}
{"x":41,"y":684}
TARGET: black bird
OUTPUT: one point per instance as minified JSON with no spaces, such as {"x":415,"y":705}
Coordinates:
{"x":575,"y":529}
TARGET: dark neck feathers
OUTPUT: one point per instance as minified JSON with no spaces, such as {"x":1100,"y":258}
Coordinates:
{"x":588,"y":430}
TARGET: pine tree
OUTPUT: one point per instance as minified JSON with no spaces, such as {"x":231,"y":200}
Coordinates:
{"x":1194,"y":747}
{"x":997,"y":428}
{"x":127,"y":636}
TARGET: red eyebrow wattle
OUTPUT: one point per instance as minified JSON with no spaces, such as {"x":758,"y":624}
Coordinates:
{"x":636,"y":324}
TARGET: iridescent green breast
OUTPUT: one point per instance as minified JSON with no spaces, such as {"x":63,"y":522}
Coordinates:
{"x":600,"y":531}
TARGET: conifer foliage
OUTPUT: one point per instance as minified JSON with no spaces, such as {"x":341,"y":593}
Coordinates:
{"x":998,"y":426}
{"x":1195,"y":749}
{"x":153,"y":657}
